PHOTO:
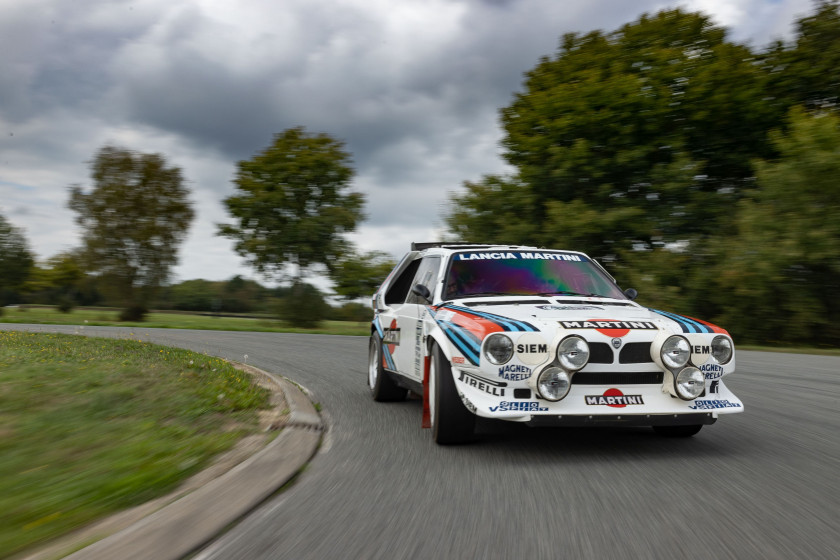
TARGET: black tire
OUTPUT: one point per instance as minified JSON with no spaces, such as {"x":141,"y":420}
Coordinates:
{"x":677,"y":431}
{"x":452,"y":423}
{"x":382,"y":387}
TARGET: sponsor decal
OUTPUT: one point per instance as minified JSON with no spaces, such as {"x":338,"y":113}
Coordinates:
{"x":514,"y":406}
{"x":458,"y":360}
{"x":514,"y":372}
{"x":614,"y":398}
{"x":517,"y":256}
{"x":709,"y":404}
{"x":467,"y":403}
{"x":570,"y":307}
{"x":712,"y":371}
{"x":610,"y":327}
{"x":616,"y":343}
{"x":445,"y":315}
{"x":489,"y":387}
{"x":391,"y":337}
{"x":418,"y":345}
{"x":690,"y":325}
{"x":701,"y":349}
{"x":531,"y":349}
{"x":714,"y":386}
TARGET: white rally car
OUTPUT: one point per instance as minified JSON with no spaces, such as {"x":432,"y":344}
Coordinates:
{"x":539,"y":336}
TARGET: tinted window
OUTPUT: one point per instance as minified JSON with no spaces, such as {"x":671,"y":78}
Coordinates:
{"x":398,"y":292}
{"x":527,"y":273}
{"x":427,"y":275}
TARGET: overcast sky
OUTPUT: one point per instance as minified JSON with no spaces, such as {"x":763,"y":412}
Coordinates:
{"x":412,"y":86}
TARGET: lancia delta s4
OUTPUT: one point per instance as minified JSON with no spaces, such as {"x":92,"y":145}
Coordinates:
{"x":544,"y":337}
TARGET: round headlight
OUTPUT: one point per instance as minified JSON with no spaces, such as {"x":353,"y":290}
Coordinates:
{"x":553,"y":383}
{"x":675,"y":352}
{"x":573,"y":353}
{"x":721,"y":349}
{"x":689,"y":383}
{"x":498,"y":349}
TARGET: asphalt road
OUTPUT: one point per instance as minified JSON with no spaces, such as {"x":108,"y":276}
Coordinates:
{"x":761,"y":484}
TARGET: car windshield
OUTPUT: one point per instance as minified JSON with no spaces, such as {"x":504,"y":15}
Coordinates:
{"x":526,"y":273}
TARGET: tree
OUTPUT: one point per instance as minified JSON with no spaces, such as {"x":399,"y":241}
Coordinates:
{"x":808,"y":71}
{"x":782,"y":270}
{"x":359,"y":275}
{"x":650,"y":126}
{"x":16,"y":261}
{"x":293,"y":205}
{"x":134,"y":218}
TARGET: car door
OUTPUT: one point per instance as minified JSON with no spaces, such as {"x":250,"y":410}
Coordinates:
{"x":408,"y":355}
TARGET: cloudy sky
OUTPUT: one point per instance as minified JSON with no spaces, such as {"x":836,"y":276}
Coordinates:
{"x":412,"y":86}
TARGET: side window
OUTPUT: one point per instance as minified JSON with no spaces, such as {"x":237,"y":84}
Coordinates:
{"x":427,"y":275}
{"x":399,"y":290}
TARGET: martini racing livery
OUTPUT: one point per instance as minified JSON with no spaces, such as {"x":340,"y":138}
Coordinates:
{"x":539,"y":336}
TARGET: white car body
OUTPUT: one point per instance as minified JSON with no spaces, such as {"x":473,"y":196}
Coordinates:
{"x":624,"y":381}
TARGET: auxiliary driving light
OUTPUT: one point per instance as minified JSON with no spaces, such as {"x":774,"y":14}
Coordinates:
{"x":675,"y":352}
{"x":553,"y":383}
{"x":572,"y":353}
{"x":689,"y":383}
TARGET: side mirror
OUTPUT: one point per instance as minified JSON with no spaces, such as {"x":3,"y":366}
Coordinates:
{"x":631,"y":294}
{"x":422,"y":292}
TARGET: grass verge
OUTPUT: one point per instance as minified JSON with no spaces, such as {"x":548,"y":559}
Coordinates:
{"x":109,"y":317}
{"x":91,"y":426}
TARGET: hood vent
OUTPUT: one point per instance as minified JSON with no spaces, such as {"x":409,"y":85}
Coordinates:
{"x":507,"y":302}
{"x":580,"y":302}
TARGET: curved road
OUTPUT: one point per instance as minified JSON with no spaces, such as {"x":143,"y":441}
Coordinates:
{"x":761,"y":484}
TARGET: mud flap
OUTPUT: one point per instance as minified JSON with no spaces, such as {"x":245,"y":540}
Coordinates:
{"x":427,"y":417}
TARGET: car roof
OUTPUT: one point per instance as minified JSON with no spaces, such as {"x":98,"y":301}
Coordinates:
{"x":443,"y":247}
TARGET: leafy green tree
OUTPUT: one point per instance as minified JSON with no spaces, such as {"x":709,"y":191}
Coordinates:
{"x":16,"y":261}
{"x":358,"y":276}
{"x":652,"y":127}
{"x":808,"y":71}
{"x":292,"y":204}
{"x":133,"y":220}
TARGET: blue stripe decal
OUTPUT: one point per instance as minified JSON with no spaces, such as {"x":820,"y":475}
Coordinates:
{"x":506,"y":323}
{"x":464,"y":340}
{"x":389,"y":360}
{"x":688,"y":325}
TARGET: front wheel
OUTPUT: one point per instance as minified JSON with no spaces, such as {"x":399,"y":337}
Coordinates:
{"x":382,"y":387}
{"x":452,"y":423}
{"x":677,"y":431}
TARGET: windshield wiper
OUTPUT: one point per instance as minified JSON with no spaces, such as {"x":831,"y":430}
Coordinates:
{"x":567,"y":293}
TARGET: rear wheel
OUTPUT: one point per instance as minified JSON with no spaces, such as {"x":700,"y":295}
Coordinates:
{"x":382,"y":387}
{"x":452,"y":423}
{"x":677,"y":431}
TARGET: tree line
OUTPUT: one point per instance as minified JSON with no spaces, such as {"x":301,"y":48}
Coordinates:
{"x":698,"y":170}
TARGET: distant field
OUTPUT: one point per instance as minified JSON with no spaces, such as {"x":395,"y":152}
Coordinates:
{"x":175,"y":320}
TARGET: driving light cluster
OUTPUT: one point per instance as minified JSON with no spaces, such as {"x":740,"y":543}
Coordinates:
{"x":721,"y":349}
{"x":554,"y":382}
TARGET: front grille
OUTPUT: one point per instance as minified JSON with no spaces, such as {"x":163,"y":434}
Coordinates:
{"x":635,"y":353}
{"x":600,"y":353}
{"x":617,"y":378}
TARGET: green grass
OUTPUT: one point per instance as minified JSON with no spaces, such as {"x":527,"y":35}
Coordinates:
{"x":109,"y":317}
{"x":91,"y":426}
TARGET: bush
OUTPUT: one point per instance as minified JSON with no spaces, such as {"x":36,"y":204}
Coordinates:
{"x":304,"y":306}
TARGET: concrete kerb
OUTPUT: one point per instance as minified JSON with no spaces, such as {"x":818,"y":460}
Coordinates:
{"x":194,"y":520}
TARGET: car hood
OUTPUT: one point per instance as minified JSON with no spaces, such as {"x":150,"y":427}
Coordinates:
{"x":578,"y":312}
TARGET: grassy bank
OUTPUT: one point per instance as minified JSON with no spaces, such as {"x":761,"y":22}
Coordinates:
{"x":91,"y":426}
{"x":109,"y":317}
